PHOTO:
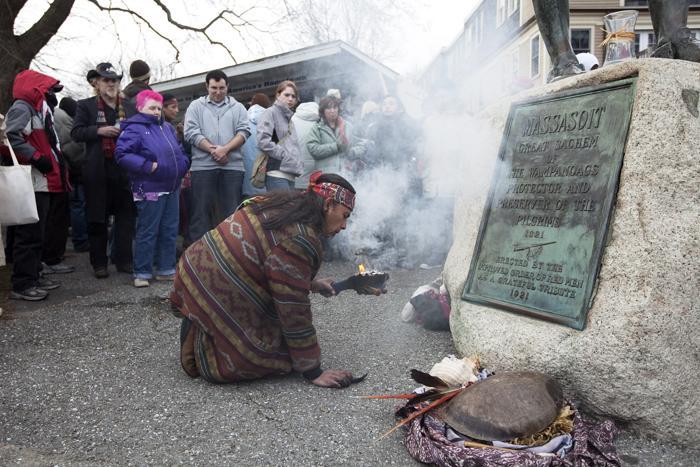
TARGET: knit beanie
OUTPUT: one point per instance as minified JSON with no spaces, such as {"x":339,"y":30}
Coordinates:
{"x":139,"y":70}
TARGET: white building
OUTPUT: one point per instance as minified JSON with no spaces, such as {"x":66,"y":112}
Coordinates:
{"x":500,"y":51}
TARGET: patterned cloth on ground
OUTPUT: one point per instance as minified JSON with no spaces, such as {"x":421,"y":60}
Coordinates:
{"x":593,"y":446}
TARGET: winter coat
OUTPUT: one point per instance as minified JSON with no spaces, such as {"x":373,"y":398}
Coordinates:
{"x":304,"y":119}
{"x":218,"y":124}
{"x":325,"y":146}
{"x":97,"y":169}
{"x":74,"y":152}
{"x":250,"y":151}
{"x":28,"y":133}
{"x":272,"y":128}
{"x":143,"y":141}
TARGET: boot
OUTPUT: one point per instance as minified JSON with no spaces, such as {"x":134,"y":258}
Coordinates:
{"x":670,"y":20}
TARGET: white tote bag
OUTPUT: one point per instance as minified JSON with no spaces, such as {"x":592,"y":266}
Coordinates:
{"x":17,"y":201}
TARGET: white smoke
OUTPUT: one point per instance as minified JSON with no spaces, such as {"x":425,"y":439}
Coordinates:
{"x":391,"y":227}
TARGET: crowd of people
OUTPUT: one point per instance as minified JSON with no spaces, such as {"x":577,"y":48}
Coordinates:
{"x":124,"y":175}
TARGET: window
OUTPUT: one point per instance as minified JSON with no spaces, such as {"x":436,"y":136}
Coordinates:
{"x":581,"y":40}
{"x":534,"y":56}
{"x":500,"y":12}
{"x":513,"y":6}
{"x":478,"y":27}
{"x":644,"y":40}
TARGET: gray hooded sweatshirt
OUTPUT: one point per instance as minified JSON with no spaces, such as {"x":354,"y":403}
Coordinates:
{"x":219,"y":124}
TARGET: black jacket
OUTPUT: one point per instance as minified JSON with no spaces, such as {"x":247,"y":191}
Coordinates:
{"x":98,"y":170}
{"x":129,"y":94}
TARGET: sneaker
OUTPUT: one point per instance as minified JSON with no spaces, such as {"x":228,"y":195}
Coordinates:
{"x":141,"y":283}
{"x":127,"y":268}
{"x":101,"y":272}
{"x":44,"y":283}
{"x":59,"y":268}
{"x":31,"y":294}
{"x":168,"y":278}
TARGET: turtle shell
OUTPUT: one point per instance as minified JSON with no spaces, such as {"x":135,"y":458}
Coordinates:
{"x":505,"y":406}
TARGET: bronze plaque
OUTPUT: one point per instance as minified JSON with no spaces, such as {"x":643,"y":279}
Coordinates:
{"x":543,"y":229}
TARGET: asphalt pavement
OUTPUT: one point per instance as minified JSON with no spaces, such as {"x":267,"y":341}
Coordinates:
{"x":91,"y":376}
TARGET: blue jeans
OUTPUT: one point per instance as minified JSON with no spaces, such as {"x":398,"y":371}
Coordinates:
{"x":156,"y":235}
{"x":215,"y":195}
{"x":278,"y":184}
{"x":78,"y":216}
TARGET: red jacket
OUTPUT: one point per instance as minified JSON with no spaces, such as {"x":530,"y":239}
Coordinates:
{"x":26,"y":127}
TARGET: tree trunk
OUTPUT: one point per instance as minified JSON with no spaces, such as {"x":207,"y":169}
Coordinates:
{"x":17,"y":52}
{"x":12,"y":64}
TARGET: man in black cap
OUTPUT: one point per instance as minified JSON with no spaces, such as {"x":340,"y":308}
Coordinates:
{"x":140,"y":74}
{"x":107,"y":189}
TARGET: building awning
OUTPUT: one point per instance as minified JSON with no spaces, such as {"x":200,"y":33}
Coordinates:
{"x":314,"y":70}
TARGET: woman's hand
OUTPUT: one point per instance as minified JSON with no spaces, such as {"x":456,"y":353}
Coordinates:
{"x":323,"y":286}
{"x":333,"y":379}
{"x":155,"y":166}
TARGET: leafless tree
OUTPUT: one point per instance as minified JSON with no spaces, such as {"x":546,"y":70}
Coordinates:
{"x":19,"y":50}
{"x":364,"y":24}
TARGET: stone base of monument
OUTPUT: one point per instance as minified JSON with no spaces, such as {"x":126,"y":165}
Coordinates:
{"x":638,"y":358}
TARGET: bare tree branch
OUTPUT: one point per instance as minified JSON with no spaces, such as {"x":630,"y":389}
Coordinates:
{"x":18,"y":50}
{"x":364,"y":24}
{"x":110,"y":9}
{"x":42,"y":31}
{"x":223,"y":15}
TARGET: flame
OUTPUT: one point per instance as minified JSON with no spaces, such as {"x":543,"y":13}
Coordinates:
{"x":361,"y":268}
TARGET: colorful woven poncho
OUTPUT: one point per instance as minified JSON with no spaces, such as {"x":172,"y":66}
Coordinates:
{"x":244,"y":292}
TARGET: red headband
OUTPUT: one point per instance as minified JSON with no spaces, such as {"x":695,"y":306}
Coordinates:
{"x":331,"y":191}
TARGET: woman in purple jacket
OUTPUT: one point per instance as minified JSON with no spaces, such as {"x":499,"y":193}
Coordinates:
{"x":148,"y":150}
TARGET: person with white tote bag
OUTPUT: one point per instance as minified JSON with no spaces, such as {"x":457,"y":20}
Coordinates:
{"x":17,"y":204}
{"x":34,"y":144}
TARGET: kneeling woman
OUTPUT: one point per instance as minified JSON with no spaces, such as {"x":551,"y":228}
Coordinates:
{"x":243,"y":288}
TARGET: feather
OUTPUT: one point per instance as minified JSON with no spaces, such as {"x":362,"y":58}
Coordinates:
{"x":389,"y":396}
{"x":420,"y":412}
{"x":426,"y":379}
{"x":430,"y":395}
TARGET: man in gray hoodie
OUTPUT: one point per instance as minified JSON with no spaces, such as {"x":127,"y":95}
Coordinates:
{"x":216,"y":126}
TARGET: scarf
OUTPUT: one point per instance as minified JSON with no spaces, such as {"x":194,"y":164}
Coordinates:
{"x":109,"y":144}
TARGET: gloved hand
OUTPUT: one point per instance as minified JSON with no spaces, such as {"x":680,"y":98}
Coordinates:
{"x":41,"y":162}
